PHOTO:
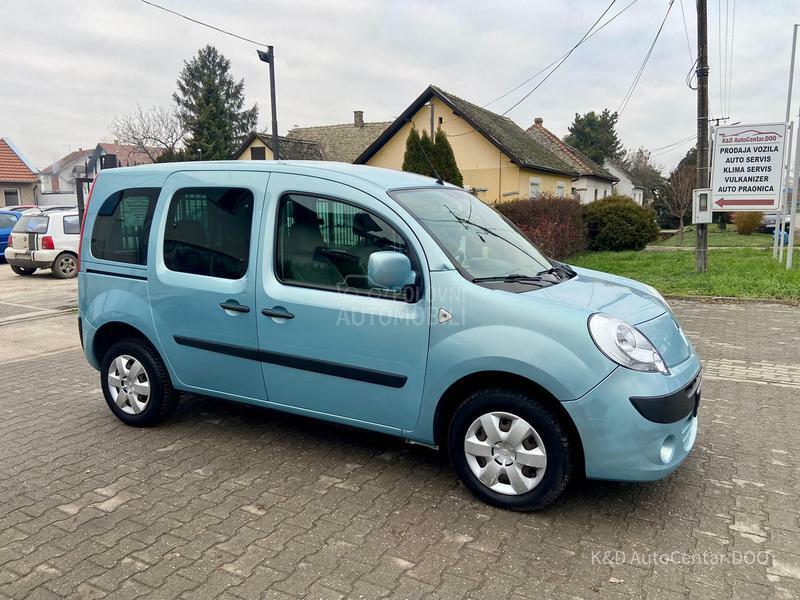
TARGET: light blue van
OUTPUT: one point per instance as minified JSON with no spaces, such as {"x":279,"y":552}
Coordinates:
{"x":387,"y":301}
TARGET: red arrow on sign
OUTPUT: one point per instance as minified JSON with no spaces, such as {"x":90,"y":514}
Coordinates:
{"x":746,"y":202}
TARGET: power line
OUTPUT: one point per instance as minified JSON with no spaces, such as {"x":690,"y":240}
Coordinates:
{"x":638,"y":76}
{"x":680,"y":141}
{"x":686,"y":31}
{"x":542,"y":70}
{"x":561,"y":62}
{"x":182,"y":16}
{"x":538,"y":85}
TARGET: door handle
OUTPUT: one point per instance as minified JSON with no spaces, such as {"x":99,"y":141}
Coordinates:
{"x":234,"y":307}
{"x":277,"y":314}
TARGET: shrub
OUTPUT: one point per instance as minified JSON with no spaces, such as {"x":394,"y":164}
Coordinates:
{"x":618,"y":223}
{"x":554,"y":224}
{"x":748,"y":222}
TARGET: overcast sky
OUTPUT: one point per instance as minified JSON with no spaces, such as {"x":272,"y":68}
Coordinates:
{"x":67,"y":68}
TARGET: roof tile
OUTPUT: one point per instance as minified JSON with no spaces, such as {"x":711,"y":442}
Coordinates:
{"x":12,"y":167}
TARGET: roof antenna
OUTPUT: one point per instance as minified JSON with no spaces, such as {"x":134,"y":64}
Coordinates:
{"x":430,"y":164}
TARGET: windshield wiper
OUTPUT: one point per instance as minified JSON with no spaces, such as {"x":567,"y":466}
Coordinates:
{"x":510,"y":277}
{"x":558,"y":269}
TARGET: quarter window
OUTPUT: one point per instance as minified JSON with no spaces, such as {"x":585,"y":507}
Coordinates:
{"x":122,"y":226}
{"x":208,"y":232}
{"x":7,"y":221}
{"x":72,"y":226}
{"x":327,"y":243}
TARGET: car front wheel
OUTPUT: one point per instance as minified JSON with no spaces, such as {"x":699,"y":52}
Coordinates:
{"x":510,"y":449}
{"x":136,"y":384}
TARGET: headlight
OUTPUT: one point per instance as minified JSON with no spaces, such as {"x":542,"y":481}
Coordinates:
{"x":625,"y":345}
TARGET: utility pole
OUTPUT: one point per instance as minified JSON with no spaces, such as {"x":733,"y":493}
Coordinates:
{"x":269,"y":57}
{"x":701,"y":245}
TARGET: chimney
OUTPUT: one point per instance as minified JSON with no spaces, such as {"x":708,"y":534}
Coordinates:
{"x":358,"y":118}
{"x":538,"y":121}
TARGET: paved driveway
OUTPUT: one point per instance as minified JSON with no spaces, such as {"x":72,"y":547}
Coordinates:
{"x":235,"y":502}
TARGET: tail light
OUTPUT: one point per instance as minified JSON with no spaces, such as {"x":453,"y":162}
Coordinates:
{"x":10,"y":241}
{"x":47,"y":243}
{"x":83,"y":221}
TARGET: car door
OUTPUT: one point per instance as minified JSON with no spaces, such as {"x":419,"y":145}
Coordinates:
{"x":7,"y":222}
{"x":330,"y":344}
{"x":202,"y":289}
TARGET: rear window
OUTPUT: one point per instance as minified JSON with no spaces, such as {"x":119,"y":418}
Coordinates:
{"x":7,"y":221}
{"x":32,"y":224}
{"x":122,"y":226}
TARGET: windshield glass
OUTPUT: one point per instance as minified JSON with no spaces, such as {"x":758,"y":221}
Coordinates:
{"x":476,"y":236}
{"x":32,"y":224}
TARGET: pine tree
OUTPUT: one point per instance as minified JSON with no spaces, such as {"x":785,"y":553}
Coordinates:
{"x":596,"y":136}
{"x":413,"y":161}
{"x":445,"y":161}
{"x":210,"y":106}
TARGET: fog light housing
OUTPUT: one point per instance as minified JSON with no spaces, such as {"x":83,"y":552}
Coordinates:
{"x":667,"y":449}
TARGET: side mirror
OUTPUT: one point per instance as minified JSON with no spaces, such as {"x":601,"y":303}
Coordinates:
{"x":389,"y":270}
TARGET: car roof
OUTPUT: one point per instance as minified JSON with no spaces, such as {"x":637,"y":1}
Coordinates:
{"x":7,"y":211}
{"x":384,"y":178}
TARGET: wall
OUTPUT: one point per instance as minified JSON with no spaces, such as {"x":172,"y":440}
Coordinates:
{"x":27,"y":192}
{"x":586,"y":186}
{"x":256,"y":143}
{"x":624,"y":187}
{"x":481,"y":163}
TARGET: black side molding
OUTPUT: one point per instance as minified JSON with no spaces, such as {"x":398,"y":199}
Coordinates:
{"x":298,"y":362}
{"x":671,"y":407}
{"x":116,"y":274}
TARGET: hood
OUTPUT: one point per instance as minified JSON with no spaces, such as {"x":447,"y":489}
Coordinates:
{"x":594,"y":291}
{"x":625,"y":299}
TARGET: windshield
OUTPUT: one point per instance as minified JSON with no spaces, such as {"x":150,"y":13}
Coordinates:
{"x":483,"y":243}
{"x":32,"y":224}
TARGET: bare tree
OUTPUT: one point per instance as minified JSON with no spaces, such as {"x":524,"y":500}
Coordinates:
{"x":678,"y":198}
{"x":156,"y":131}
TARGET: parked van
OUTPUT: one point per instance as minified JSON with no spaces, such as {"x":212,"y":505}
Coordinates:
{"x":387,"y":301}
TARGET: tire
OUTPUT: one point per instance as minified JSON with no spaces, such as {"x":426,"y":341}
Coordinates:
{"x":23,"y":270}
{"x":65,"y":266}
{"x":524,"y":476}
{"x":125,"y":395}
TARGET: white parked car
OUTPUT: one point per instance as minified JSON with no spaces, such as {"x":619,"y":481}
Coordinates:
{"x":45,"y":239}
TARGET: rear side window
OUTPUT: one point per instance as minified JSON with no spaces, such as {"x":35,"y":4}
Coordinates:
{"x":7,"y":221}
{"x":32,"y":224}
{"x":72,"y":225}
{"x":208,"y":232}
{"x":122,"y":226}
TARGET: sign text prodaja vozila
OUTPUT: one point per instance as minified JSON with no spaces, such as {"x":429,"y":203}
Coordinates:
{"x":747,"y":167}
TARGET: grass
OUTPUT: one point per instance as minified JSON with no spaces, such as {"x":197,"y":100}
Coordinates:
{"x":720,"y":239}
{"x":745,"y":273}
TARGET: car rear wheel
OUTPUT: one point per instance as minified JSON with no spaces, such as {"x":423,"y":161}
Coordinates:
{"x":23,"y":270}
{"x":136,"y":384}
{"x":510,"y":449}
{"x":65,"y":266}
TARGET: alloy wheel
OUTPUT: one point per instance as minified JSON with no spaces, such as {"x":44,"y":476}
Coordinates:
{"x":128,"y":384}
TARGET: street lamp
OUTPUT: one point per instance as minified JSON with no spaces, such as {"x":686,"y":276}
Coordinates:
{"x":269,"y":57}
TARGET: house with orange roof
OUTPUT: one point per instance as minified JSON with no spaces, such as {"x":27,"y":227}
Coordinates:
{"x":19,"y":179}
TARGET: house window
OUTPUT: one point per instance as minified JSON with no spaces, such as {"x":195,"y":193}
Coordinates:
{"x":258,"y":153}
{"x":11,"y":197}
{"x":440,"y":121}
{"x":560,"y":189}
{"x":595,"y":193}
{"x":536,"y":187}
{"x":605,"y":193}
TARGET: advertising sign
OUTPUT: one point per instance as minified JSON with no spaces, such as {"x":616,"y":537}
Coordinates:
{"x":747,"y":167}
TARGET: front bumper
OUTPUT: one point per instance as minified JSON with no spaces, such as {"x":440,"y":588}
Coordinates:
{"x":638,"y":426}
{"x":37,"y":259}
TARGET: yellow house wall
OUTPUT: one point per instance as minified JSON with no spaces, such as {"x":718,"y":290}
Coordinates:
{"x":481,"y":163}
{"x":256,"y":143}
